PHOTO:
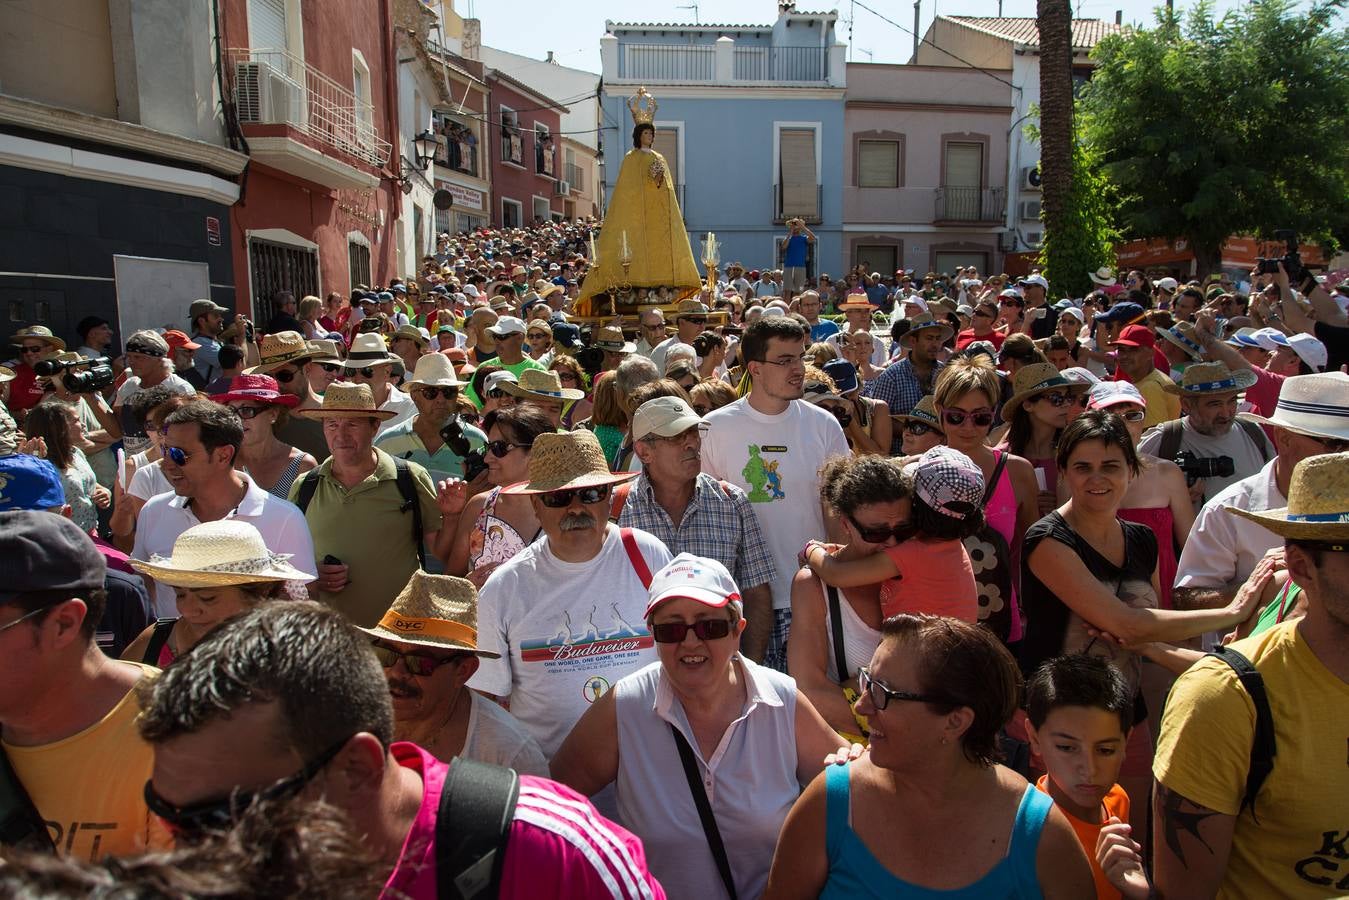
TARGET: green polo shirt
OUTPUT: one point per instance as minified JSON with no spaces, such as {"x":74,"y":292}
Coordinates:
{"x":365,"y":528}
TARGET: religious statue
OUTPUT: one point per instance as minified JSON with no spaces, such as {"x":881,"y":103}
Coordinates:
{"x":642,"y":243}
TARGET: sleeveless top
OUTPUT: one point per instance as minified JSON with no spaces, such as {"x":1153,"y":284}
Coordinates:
{"x":855,"y":873}
{"x":860,"y":640}
{"x":281,"y":490}
{"x":494,"y":540}
{"x":1162,"y":523}
{"x":1000,"y":513}
{"x":750,"y":780}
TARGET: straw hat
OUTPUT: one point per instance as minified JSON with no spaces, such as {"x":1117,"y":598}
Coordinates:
{"x":262,"y":388}
{"x":922,"y":322}
{"x":433,"y":370}
{"x":438,"y":611}
{"x":6,"y":374}
{"x":537,"y":384}
{"x":611,"y":339}
{"x":277,"y":350}
{"x":345,"y":400}
{"x":1311,"y":404}
{"x":1183,"y":335}
{"x":217,"y":554}
{"x":1036,"y":379}
{"x":412,"y":333}
{"x":1103,"y":276}
{"x":856,"y":302}
{"x":569,"y":459}
{"x":1211,"y":378}
{"x":369,"y":349}
{"x":325,"y":351}
{"x":925,"y":412}
{"x":689,"y":308}
{"x":38,"y":333}
{"x":1318,"y":502}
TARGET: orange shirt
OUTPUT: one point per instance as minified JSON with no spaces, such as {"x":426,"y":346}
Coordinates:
{"x":935,"y":577}
{"x":1116,"y":804}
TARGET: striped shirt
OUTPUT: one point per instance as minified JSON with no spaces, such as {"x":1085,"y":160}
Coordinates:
{"x":559,"y":846}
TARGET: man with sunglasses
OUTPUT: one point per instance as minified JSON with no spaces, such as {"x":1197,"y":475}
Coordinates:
{"x":1135,"y":359}
{"x":690,"y":319}
{"x":34,"y":343}
{"x":290,"y":700}
{"x":287,"y":357}
{"x":369,"y":362}
{"x":68,"y":710}
{"x":434,"y":388}
{"x":147,"y":360}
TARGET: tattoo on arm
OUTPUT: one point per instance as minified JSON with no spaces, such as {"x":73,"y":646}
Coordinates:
{"x":1181,"y":815}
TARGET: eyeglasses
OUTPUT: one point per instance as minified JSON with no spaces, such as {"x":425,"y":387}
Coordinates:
{"x":367,"y":372}
{"x":878,"y":534}
{"x":844,"y":417}
{"x":539,"y":335}
{"x":250,"y":412}
{"x":917,"y":429}
{"x":1332,"y":445}
{"x":881,"y":695}
{"x":587,"y":495}
{"x":284,"y":376}
{"x":787,"y":361}
{"x":1133,"y":415}
{"x":500,"y":448}
{"x":981,"y":314}
{"x":213,"y":815}
{"x":1056,"y":399}
{"x":331,"y":368}
{"x":25,"y":617}
{"x":178,"y":456}
{"x":34,"y":349}
{"x":500,"y":394}
{"x":567,"y":376}
{"x":704,"y":629}
{"x":695,"y":320}
{"x":416,"y":663}
{"x":982,"y":418}
{"x":431,"y":393}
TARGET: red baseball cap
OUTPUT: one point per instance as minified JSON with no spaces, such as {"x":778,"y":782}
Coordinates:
{"x":1135,"y":336}
{"x":177,"y":340}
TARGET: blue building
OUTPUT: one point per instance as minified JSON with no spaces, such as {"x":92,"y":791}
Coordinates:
{"x":750,"y":119}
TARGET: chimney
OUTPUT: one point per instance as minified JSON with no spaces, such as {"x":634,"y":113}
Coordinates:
{"x":550,"y":57}
{"x":472,"y":40}
{"x":1119,"y":17}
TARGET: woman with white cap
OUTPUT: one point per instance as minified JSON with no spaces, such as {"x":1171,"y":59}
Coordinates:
{"x":217,"y":570}
{"x":744,"y":736}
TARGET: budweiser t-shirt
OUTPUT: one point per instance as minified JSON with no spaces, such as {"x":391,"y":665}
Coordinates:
{"x":565,"y":631}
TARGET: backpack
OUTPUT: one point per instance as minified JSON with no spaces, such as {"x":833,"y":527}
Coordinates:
{"x":991,"y":559}
{"x":1263,"y":747}
{"x":309,"y":483}
{"x":473,"y":826}
{"x":1172,"y":434}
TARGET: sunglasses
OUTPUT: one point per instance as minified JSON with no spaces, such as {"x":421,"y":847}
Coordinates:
{"x":981,"y":314}
{"x":284,"y":376}
{"x":842,"y":415}
{"x":983,"y":418}
{"x":695,"y":320}
{"x":367,"y":372}
{"x":1056,"y":399}
{"x":249,"y":412}
{"x":431,"y":393}
{"x":1010,"y":302}
{"x":500,"y":394}
{"x":568,"y":376}
{"x":500,"y":448}
{"x":917,"y":429}
{"x":194,"y":819}
{"x":178,"y":456}
{"x":881,"y":695}
{"x":587,"y":495}
{"x":1133,"y":415}
{"x":415,"y":663}
{"x":332,"y":368}
{"x":705,"y":630}
{"x":878,"y":534}
{"x":38,"y":349}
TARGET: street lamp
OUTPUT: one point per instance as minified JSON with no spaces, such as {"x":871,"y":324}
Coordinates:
{"x":425,"y":146}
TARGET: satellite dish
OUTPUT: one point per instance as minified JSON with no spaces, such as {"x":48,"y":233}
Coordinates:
{"x":442,"y":199}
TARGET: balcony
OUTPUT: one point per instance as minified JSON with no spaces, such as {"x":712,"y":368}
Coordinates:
{"x":274,"y":88}
{"x":798,"y":201}
{"x":575,"y":176}
{"x":779,"y":64}
{"x":969,"y":205}
{"x":759,"y":65}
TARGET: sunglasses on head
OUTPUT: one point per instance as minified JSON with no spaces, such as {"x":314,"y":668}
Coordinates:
{"x":917,"y":429}
{"x":416,"y":663}
{"x":878,"y":534}
{"x":431,"y":393}
{"x":704,"y":629}
{"x":500,"y":448}
{"x":983,"y":418}
{"x":587,"y":496}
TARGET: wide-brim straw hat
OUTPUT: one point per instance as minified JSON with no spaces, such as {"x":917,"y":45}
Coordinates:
{"x":925,"y":322}
{"x":438,"y":611}
{"x":218,"y":554}
{"x":38,"y":333}
{"x":611,"y":339}
{"x":925,"y":412}
{"x":325,"y":351}
{"x":1183,"y":335}
{"x":570,"y":459}
{"x":856,"y":302}
{"x":279,"y":349}
{"x":1316,"y":405}
{"x":1103,"y":276}
{"x":433,"y":370}
{"x":369,"y":349}
{"x":689,"y":308}
{"x":6,"y":374}
{"x":1036,"y":379}
{"x":412,"y":333}
{"x":344,"y":400}
{"x":1211,"y":378}
{"x":1318,"y":502}
{"x":260,"y":388}
{"x":538,"y":384}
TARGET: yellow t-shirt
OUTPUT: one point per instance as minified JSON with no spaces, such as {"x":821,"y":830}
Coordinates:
{"x":89,"y":787}
{"x":1299,"y":846}
{"x":1162,"y":405}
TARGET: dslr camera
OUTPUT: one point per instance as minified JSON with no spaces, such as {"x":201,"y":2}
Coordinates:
{"x":1292,"y":259}
{"x":1197,"y":467}
{"x":84,"y":376}
{"x":475,"y":461}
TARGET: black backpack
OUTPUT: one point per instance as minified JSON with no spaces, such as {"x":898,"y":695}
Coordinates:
{"x":473,"y":825}
{"x":309,"y":483}
{"x":1263,"y":747}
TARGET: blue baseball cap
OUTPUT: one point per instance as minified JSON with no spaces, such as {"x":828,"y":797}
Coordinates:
{"x":385,"y":296}
{"x":27,"y":482}
{"x":567,"y":335}
{"x":1121,"y":312}
{"x":843,"y":373}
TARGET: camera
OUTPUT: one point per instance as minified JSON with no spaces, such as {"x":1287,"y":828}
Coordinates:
{"x":475,"y":461}
{"x":1197,"y":467}
{"x":591,"y":360}
{"x":83,"y":376}
{"x":1292,"y":259}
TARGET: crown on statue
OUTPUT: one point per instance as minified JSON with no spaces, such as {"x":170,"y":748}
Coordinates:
{"x":643,"y":107}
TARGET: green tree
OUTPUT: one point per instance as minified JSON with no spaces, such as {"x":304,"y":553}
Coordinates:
{"x":1207,"y":128}
{"x":1085,"y":237}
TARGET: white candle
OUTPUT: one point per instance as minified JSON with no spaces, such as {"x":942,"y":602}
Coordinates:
{"x":625,"y":252}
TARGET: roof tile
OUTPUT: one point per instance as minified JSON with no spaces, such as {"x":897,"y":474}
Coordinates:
{"x":1087,"y":33}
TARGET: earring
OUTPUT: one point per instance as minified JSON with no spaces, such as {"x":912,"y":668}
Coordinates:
{"x":945,"y":741}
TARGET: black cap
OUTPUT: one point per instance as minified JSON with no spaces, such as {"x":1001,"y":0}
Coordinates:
{"x":88,"y":324}
{"x":45,"y":551}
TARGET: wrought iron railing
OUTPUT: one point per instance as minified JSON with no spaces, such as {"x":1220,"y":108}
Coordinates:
{"x":970,"y":204}
{"x":666,"y":62}
{"x":781,"y":64}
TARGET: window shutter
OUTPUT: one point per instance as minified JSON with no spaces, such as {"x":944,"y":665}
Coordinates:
{"x":964,"y":165}
{"x":796,"y":147}
{"x":667,"y":145}
{"x":267,"y":24}
{"x":878,"y":164}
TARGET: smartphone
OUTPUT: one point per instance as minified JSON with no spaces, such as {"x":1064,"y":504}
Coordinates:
{"x":331,"y":560}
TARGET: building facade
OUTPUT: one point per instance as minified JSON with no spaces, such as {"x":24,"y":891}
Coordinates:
{"x":749,"y":119}
{"x":524,"y":146}
{"x":924,"y":167}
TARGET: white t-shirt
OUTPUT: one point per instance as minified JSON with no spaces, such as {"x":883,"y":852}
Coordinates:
{"x":776,"y":461}
{"x":403,"y":407}
{"x":565,"y":631}
{"x":148,"y":480}
{"x":1223,"y":548}
{"x":494,"y":736}
{"x":1246,"y":456}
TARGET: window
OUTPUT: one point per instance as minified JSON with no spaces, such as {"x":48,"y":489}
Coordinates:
{"x":543,"y":210}
{"x":950,"y":261}
{"x":358,"y":264}
{"x":879,"y":258}
{"x":543,"y":151}
{"x":444,"y":221}
{"x":798,"y":192}
{"x":878,"y":164}
{"x":418,"y":233}
{"x":360,"y":86}
{"x":512,"y":145}
{"x":666,"y":144}
{"x":267,"y":25}
{"x":280,"y":267}
{"x":460,"y":142}
{"x":964,"y":165}
{"x":511,"y":213}
{"x":471,"y":223}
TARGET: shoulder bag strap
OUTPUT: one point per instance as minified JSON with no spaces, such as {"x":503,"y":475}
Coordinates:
{"x":1257,"y":436}
{"x":1171,"y":436}
{"x":309,"y":483}
{"x":21,"y":825}
{"x":635,"y":556}
{"x":704,"y":811}
{"x":158,"y":638}
{"x":620,"y":499}
{"x":1263,"y":747}
{"x":473,"y":826}
{"x":836,"y":633}
{"x":407,"y":489}
{"x":997,"y":474}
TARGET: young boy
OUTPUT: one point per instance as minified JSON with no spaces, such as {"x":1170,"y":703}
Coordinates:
{"x":1080,"y":710}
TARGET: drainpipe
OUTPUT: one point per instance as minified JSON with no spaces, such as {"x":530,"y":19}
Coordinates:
{"x":1012,"y":220}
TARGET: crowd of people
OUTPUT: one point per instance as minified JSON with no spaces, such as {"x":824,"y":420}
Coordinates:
{"x":796,"y":587}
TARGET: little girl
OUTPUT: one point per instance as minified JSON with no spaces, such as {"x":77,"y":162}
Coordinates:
{"x":925,"y":569}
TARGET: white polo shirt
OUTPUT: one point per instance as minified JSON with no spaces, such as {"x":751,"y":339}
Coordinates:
{"x":165,"y":516}
{"x":403,"y":406}
{"x":1223,"y":548}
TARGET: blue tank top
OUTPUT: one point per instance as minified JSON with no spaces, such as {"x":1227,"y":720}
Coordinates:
{"x":854,"y":873}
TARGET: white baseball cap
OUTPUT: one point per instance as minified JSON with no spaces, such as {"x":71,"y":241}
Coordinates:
{"x":1309,"y":349}
{"x":694,"y":578}
{"x":496,"y":379}
{"x":1167,"y":284}
{"x":1107,"y":393}
{"x":1035,"y":279}
{"x":507,"y":325}
{"x":663,"y":417}
{"x":1267,"y":338}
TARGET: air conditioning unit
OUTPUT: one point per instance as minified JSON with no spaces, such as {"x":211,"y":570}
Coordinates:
{"x":1030,"y":178}
{"x":1034,"y":239}
{"x":561,"y":188}
{"x":1030,"y":210}
{"x":262,"y":94}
